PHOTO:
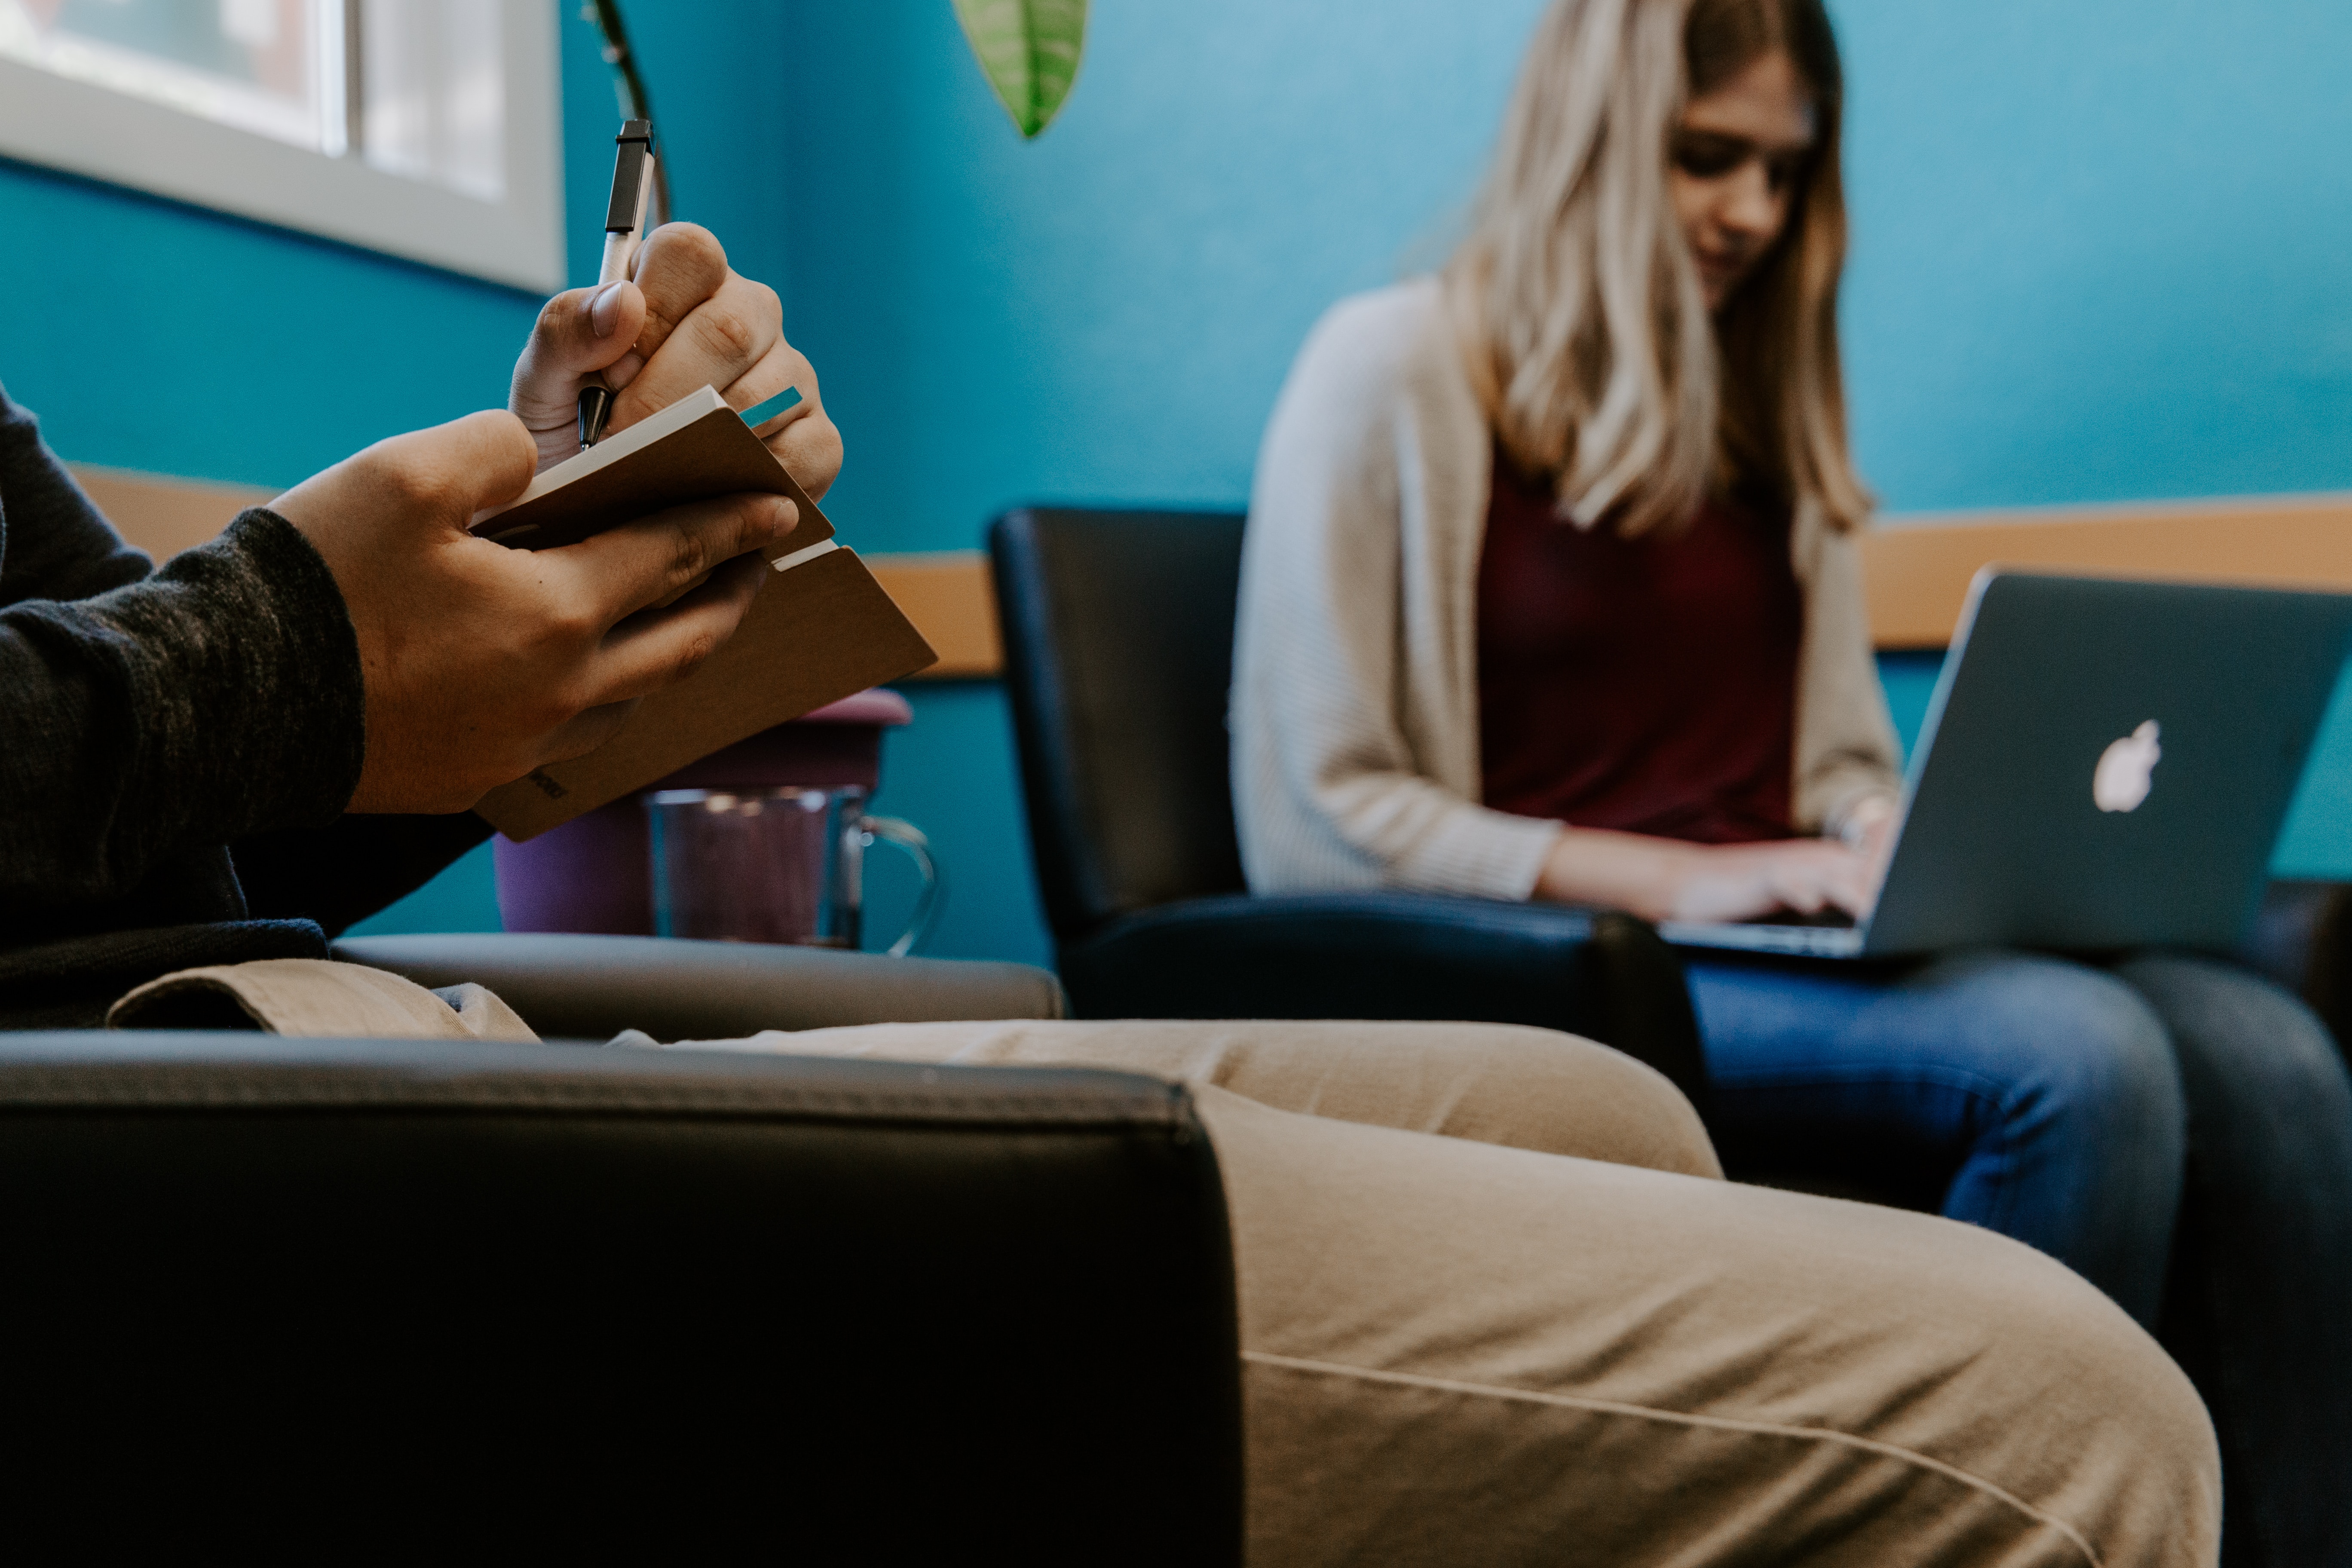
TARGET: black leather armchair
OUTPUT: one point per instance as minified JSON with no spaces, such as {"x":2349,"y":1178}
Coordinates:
{"x":401,"y":1298}
{"x":1118,"y":630}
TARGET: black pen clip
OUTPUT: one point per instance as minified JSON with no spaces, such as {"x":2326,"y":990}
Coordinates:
{"x":633,"y":163}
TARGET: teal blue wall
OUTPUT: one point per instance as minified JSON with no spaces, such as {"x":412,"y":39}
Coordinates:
{"x":2099,"y":255}
{"x":2100,"y":248}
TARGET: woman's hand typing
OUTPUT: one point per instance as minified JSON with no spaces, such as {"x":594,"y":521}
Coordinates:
{"x":1666,"y":880}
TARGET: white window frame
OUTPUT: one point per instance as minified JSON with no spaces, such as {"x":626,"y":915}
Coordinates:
{"x":125,"y":140}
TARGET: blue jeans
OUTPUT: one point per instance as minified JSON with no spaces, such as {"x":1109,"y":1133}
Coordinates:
{"x":2176,"y":1130}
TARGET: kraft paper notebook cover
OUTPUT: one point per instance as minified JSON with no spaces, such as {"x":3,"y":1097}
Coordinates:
{"x":820,"y":628}
{"x":695,"y":449}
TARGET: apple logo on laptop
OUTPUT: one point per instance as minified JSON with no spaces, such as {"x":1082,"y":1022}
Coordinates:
{"x":2126,"y":770}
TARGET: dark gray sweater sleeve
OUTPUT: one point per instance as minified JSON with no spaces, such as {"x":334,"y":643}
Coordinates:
{"x":145,"y":715}
{"x":53,"y":543}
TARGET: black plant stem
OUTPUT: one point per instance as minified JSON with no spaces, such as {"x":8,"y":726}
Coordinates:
{"x":606,"y":15}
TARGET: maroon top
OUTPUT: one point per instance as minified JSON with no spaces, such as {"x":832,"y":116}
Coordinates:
{"x":1648,"y":685}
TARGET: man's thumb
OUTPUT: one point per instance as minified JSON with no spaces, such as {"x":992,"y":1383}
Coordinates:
{"x":582,"y":329}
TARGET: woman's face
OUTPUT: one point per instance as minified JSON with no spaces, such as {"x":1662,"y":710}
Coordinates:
{"x":1734,"y":166}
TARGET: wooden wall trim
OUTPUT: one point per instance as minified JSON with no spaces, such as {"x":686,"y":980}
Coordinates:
{"x":1916,"y":568}
{"x":951,"y":599}
{"x":162,"y":515}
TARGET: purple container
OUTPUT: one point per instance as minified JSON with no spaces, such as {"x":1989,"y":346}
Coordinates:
{"x":595,"y":872}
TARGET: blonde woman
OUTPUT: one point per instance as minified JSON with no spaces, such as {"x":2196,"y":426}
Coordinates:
{"x":1551,"y":592}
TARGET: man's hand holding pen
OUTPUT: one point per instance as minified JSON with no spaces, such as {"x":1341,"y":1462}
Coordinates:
{"x":481,"y":662}
{"x":686,"y":320}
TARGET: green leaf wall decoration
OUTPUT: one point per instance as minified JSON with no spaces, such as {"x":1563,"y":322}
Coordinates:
{"x":1029,"y":51}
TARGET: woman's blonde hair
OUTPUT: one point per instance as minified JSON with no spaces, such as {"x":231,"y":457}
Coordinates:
{"x":1588,"y":333}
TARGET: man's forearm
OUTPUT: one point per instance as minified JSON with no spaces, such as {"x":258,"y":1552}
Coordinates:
{"x":219,"y":697}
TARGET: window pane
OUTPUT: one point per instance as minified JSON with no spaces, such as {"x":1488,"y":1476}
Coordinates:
{"x":252,"y":64}
{"x":432,"y":92}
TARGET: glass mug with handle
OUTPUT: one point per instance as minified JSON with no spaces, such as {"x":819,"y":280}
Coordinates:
{"x":785,"y":864}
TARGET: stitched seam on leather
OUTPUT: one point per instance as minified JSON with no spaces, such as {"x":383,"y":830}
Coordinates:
{"x":31,"y":1091}
{"x":1721,"y":1423}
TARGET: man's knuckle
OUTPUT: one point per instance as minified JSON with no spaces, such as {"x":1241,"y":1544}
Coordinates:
{"x":734,"y":337}
{"x":692,"y":553}
{"x":412,"y":485}
{"x":695,"y":246}
{"x":572,"y":619}
{"x":661,"y":320}
{"x":371,"y":467}
{"x":695,"y":652}
{"x":683,"y":260}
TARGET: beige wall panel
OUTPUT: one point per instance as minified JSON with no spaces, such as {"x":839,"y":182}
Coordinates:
{"x":1918,"y":569}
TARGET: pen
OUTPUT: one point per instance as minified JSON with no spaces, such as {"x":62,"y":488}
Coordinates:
{"x":624,"y":219}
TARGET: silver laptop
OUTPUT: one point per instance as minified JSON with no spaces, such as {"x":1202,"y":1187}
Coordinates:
{"x":2105,"y":764}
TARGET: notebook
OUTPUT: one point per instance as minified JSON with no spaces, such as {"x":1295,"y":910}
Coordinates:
{"x":820,"y":628}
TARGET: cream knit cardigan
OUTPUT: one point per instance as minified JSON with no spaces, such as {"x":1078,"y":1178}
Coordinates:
{"x":1355,"y":699}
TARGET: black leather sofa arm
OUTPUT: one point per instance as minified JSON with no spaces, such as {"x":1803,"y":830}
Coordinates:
{"x":2302,"y":938}
{"x":1395,"y":956}
{"x":593,"y":987}
{"x":406,"y":1293}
